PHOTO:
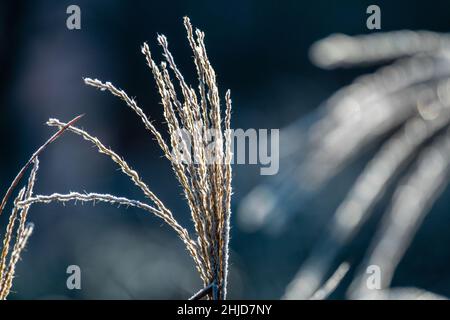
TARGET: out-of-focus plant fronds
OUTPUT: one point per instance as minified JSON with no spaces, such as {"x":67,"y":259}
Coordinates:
{"x":404,"y":106}
{"x":329,"y":286}
{"x":326,"y":141}
{"x":340,"y":50}
{"x":414,"y":196}
{"x":401,"y":293}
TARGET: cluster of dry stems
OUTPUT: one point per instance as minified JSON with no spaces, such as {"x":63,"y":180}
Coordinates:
{"x":206,"y":184}
{"x":14,"y":245}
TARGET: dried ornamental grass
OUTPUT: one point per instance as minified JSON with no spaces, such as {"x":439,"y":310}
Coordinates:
{"x":199,"y":152}
{"x":12,"y":247}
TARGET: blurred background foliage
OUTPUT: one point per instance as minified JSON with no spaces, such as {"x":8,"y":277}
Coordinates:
{"x":260,"y":51}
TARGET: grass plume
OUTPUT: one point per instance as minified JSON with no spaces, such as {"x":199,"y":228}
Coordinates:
{"x":199,"y":151}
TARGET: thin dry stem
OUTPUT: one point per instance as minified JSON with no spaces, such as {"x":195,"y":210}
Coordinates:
{"x":88,"y":197}
{"x":30,"y":161}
